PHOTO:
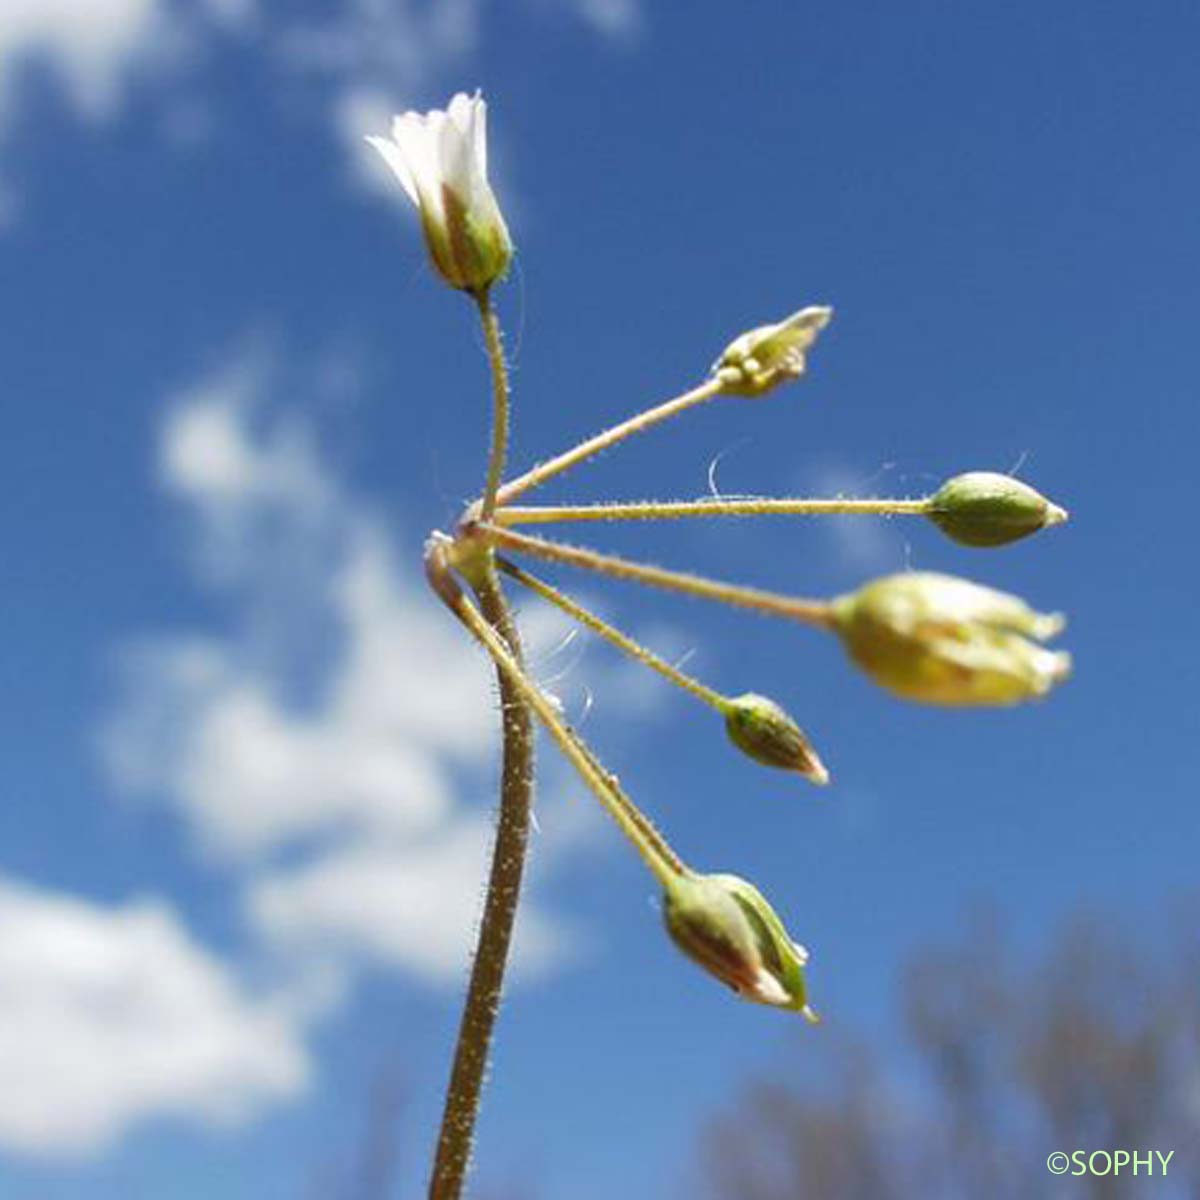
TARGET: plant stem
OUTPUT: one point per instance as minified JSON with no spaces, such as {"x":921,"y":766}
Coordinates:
{"x":646,"y":828}
{"x":811,"y":612}
{"x":613,"y":635}
{"x":649,"y":843}
{"x":610,"y":437}
{"x":500,"y":405}
{"x":500,"y":907}
{"x":654,"y":510}
{"x":482,"y":1006}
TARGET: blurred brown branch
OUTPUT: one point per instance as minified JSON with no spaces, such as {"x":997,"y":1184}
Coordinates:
{"x":1097,"y":1047}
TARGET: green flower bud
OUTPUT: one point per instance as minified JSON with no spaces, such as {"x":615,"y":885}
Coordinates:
{"x":982,"y":508}
{"x":726,"y":926}
{"x":760,"y":728}
{"x":772,"y":354}
{"x":941,"y":640}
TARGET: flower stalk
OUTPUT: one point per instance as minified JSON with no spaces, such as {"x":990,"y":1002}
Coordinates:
{"x":674,"y":510}
{"x":661,"y":860}
{"x":500,"y":402}
{"x":756,"y":725}
{"x":809,"y":612}
{"x":610,"y":437}
{"x":752,"y":365}
{"x":614,"y":636}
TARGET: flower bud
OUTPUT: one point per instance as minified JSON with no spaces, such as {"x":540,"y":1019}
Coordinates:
{"x":982,"y":508}
{"x":726,"y":926}
{"x":941,"y":640}
{"x":760,"y":728}
{"x":440,"y":159}
{"x":772,"y":354}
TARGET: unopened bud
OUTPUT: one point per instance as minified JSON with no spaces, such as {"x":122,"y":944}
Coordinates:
{"x":772,"y":354}
{"x":726,"y":926}
{"x":982,"y":508}
{"x":941,"y":640}
{"x":760,"y":728}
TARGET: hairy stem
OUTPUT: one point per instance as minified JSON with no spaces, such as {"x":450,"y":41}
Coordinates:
{"x":500,"y":908}
{"x":610,"y":437}
{"x":658,"y":856}
{"x":811,"y":612}
{"x":614,"y":636}
{"x":482,"y":1006}
{"x":654,"y":510}
{"x":500,"y":402}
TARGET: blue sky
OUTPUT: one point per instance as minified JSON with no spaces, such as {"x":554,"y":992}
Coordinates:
{"x":249,"y":765}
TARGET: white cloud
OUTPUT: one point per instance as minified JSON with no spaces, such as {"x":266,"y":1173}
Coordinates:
{"x":90,"y":43}
{"x":335,"y":747}
{"x":108,"y":1015}
{"x":613,"y":18}
{"x":232,"y":13}
{"x":342,"y":718}
{"x":375,"y":58}
{"x":414,"y":902}
{"x":368,"y":60}
{"x":259,"y":497}
{"x":94,"y":47}
{"x":220,"y":726}
{"x":252,"y":776}
{"x":381,"y":49}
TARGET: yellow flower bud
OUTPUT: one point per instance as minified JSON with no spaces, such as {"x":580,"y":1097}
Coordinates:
{"x":758,"y":361}
{"x":760,"y":728}
{"x":982,"y":508}
{"x":726,"y":926}
{"x":942,"y":640}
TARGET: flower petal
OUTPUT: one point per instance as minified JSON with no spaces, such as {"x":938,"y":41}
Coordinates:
{"x":461,"y":112}
{"x":395,"y":159}
{"x":478,"y":134}
{"x":456,"y":157}
{"x":416,"y":135}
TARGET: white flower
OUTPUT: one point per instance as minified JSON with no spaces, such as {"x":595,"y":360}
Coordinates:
{"x":754,"y":363}
{"x":440,"y":159}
